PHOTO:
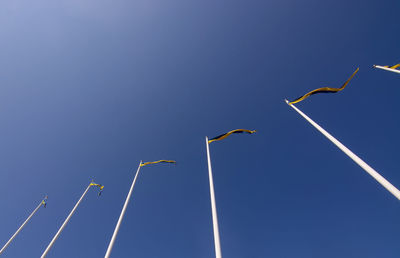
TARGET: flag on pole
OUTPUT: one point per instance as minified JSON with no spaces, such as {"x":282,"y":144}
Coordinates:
{"x":128,"y":197}
{"x":324,"y":90}
{"x":159,"y":161}
{"x":223,"y":136}
{"x":98,"y":185}
{"x":44,"y":203}
{"x":389,"y":68}
{"x":68,"y":218}
{"x":217,"y":244}
{"x":392,"y":67}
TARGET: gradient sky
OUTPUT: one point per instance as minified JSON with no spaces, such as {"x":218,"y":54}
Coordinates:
{"x":89,"y":88}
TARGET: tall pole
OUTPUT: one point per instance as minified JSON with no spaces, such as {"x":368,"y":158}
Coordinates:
{"x":387,"y":69}
{"x":23,"y":225}
{"x":65,"y":223}
{"x":353,"y":156}
{"x":213,"y":206}
{"x":121,"y":216}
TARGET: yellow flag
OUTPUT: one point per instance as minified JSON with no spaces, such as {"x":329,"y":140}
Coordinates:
{"x":159,"y":161}
{"x":393,"y":67}
{"x":223,"y":136}
{"x":98,"y":185}
{"x":324,"y":90}
{"x":44,"y":203}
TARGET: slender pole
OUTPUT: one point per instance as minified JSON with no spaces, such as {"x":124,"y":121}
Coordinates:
{"x":121,"y":216}
{"x":65,"y":223}
{"x":353,"y":156}
{"x":22,"y":226}
{"x":213,"y":206}
{"x":387,"y":69}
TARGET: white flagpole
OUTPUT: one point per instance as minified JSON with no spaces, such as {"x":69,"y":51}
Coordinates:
{"x":353,"y":156}
{"x":23,"y":225}
{"x":121,"y":216}
{"x":387,"y":69}
{"x":213,"y":206}
{"x":65,"y":222}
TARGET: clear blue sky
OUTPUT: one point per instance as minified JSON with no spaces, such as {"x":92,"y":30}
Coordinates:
{"x":89,"y":88}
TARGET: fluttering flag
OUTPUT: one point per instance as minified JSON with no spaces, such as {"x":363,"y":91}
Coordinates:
{"x":217,"y":243}
{"x":324,"y":90}
{"x":223,"y":136}
{"x":98,"y":185}
{"x":392,"y":67}
{"x":389,"y":68}
{"x":44,"y":203}
{"x":128,"y":197}
{"x":159,"y":161}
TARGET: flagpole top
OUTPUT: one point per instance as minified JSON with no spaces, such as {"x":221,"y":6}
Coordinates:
{"x":287,"y":101}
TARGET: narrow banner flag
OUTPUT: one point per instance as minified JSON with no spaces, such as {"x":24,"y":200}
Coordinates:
{"x":392,"y":67}
{"x":324,"y":90}
{"x":98,"y":185}
{"x":223,"y":136}
{"x":44,"y":203}
{"x":159,"y":161}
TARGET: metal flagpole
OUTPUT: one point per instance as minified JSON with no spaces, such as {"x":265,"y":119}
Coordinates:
{"x":65,"y":222}
{"x":213,"y":206}
{"x":353,"y":156}
{"x":121,"y":216}
{"x":23,"y":225}
{"x":387,"y":69}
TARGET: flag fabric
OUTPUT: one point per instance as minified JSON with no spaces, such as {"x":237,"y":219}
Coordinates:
{"x":44,"y":203}
{"x":324,"y":90}
{"x":159,"y":161}
{"x":98,"y":185}
{"x":223,"y":136}
{"x":393,"y":66}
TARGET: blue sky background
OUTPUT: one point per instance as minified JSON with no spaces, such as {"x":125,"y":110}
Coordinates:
{"x":89,"y":88}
